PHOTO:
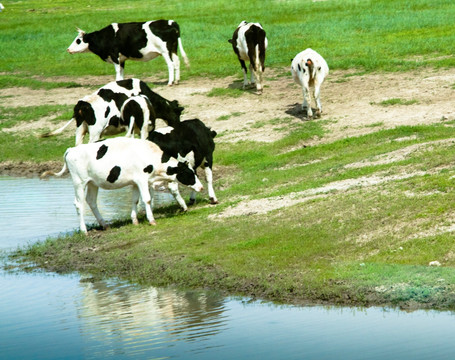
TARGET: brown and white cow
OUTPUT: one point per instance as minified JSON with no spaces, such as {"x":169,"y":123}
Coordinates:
{"x":141,"y":41}
{"x":309,"y":69}
{"x":250,"y":43}
{"x":119,"y":162}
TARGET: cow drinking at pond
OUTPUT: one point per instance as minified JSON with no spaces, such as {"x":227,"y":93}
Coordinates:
{"x":190,"y":136}
{"x":309,"y":69}
{"x":140,"y":41}
{"x":249,"y":43}
{"x":100,"y":113}
{"x":119,"y":162}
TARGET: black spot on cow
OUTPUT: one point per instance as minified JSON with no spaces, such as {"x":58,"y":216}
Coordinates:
{"x":101,"y":152}
{"x":114,"y":121}
{"x":130,"y":38}
{"x":114,"y":174}
{"x":165,"y":157}
{"x":127,"y":84}
{"x":99,"y":43}
{"x":148,"y":169}
{"x":83,"y":112}
{"x":167,"y":32}
{"x":109,"y":95}
{"x":108,"y":110}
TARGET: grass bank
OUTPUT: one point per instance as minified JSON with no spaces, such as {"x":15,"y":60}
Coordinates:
{"x":333,"y":223}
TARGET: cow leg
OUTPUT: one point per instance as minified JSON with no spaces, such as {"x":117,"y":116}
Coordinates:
{"x":147,"y":200}
{"x":209,"y":179}
{"x":245,"y":75}
{"x":145,"y":130}
{"x":307,"y":112}
{"x":135,"y":201}
{"x":119,"y":70}
{"x":176,"y":61}
{"x":317,"y":99}
{"x":90,"y":197}
{"x":253,"y":78}
{"x":80,"y":133}
{"x":79,"y":204}
{"x":174,"y":189}
{"x":170,"y":67}
{"x":95,"y":132}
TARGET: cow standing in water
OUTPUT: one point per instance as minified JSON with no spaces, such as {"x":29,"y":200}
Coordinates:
{"x":249,"y":43}
{"x":140,"y":41}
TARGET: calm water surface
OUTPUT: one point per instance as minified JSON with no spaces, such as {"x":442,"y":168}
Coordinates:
{"x":47,"y":316}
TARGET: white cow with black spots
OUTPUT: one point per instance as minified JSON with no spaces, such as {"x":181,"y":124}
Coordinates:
{"x":309,"y":69}
{"x":140,"y":41}
{"x":119,"y":162}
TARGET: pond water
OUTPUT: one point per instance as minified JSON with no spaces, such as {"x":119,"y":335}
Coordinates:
{"x":48,"y":316}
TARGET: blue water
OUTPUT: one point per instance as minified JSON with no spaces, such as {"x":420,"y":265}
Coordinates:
{"x":49,"y":316}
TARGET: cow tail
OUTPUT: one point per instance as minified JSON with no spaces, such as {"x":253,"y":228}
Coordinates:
{"x":185,"y":58}
{"x":261,"y":55}
{"x":58,"y":131}
{"x":60,"y":173}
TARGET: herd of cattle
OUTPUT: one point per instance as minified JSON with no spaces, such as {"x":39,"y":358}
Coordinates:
{"x":165,"y":155}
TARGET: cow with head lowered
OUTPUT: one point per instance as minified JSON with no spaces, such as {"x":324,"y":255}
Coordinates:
{"x":101,"y":112}
{"x":190,"y":137}
{"x":119,"y":162}
{"x":140,"y":41}
{"x":250,"y":43}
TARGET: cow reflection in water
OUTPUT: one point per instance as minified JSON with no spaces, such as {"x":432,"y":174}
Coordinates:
{"x":131,"y":314}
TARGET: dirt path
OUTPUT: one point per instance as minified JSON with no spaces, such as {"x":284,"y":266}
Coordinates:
{"x":351,"y":104}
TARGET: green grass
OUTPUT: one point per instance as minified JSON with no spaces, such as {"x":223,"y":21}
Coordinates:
{"x":364,"y":244}
{"x":370,"y":36}
{"x":397,"y":101}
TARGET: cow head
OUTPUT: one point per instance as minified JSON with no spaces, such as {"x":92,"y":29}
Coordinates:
{"x":173,"y":113}
{"x":185,"y":173}
{"x":78,"y":45}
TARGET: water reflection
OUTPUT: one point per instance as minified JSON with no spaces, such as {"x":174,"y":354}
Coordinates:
{"x":145,"y":320}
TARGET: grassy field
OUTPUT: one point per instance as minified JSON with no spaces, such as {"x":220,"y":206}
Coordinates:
{"x":368,"y":240}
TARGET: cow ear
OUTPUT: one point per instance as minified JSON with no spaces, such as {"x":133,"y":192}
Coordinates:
{"x":80,"y":31}
{"x":179,"y":110}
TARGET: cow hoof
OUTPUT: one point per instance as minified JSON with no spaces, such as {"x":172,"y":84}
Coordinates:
{"x":153,"y":223}
{"x":213,"y":201}
{"x":135,"y":222}
{"x":191,"y":202}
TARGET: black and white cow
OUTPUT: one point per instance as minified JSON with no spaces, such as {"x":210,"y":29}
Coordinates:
{"x":138,"y":111}
{"x":119,"y":162}
{"x":100,"y":112}
{"x":250,"y":43}
{"x":141,"y":41}
{"x":190,"y":136}
{"x":309,"y":69}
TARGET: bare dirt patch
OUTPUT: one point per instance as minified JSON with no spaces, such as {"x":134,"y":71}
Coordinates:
{"x":351,"y":104}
